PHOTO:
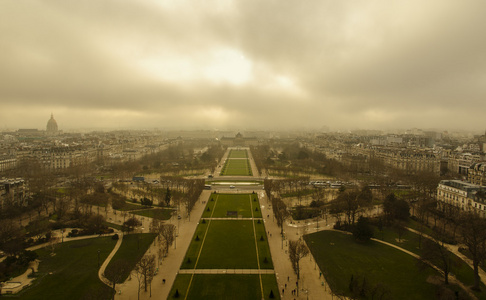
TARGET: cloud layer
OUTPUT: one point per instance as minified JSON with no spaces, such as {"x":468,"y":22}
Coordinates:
{"x":243,"y":64}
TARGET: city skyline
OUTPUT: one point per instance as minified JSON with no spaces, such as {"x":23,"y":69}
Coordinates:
{"x":248,"y":65}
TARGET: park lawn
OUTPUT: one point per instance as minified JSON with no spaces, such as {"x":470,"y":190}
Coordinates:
{"x":180,"y":286}
{"x":195,"y":246}
{"x":72,"y":272}
{"x":270,"y":284}
{"x":113,"y":225}
{"x":238,"y":154}
{"x":225,"y":182}
{"x":233,"y":202}
{"x":208,"y":210}
{"x":130,"y":206}
{"x":227,"y":245}
{"x":132,"y":249}
{"x":224,"y":286}
{"x":155,"y":213}
{"x":263,"y":248}
{"x":255,"y":206}
{"x":304,"y":192}
{"x":410,"y":241}
{"x":244,"y":204}
{"x":419,"y":227}
{"x":340,"y":257}
{"x":236,"y":167}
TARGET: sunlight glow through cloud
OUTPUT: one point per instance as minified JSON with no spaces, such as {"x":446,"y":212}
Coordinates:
{"x":217,"y":66}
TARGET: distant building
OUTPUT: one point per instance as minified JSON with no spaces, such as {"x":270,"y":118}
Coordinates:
{"x":477,"y":173}
{"x":51,"y":125}
{"x":462,"y":194}
{"x":12,"y":192}
{"x":7,"y":163}
{"x":239,"y":140}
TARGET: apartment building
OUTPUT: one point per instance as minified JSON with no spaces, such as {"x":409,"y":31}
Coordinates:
{"x":462,"y":194}
{"x":477,"y":173}
{"x":12,"y":191}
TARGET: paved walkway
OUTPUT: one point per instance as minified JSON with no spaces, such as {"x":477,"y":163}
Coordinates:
{"x":101,"y":271}
{"x":168,"y":267}
{"x":226,"y":271}
{"x":16,"y":284}
{"x":312,"y":284}
{"x":233,"y":219}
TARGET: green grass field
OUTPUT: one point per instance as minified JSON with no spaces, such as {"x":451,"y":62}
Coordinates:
{"x":228,"y":244}
{"x":244,"y":204}
{"x":155,"y":213}
{"x":410,"y":241}
{"x":340,"y":257}
{"x":235,"y":287}
{"x":236,"y":167}
{"x":72,"y":272}
{"x":132,"y":249}
{"x":238,"y":154}
{"x":130,"y":206}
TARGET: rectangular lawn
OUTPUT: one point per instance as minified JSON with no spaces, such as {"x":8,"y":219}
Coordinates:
{"x":155,"y":213}
{"x":238,"y":154}
{"x":236,"y":167}
{"x":222,"y":203}
{"x":225,"y":286}
{"x":228,"y":245}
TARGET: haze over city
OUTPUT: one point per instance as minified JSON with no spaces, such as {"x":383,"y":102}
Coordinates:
{"x":243,"y":64}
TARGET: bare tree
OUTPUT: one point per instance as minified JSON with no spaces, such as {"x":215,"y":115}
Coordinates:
{"x":11,"y":237}
{"x":473,"y":231}
{"x":145,"y":270}
{"x":281,"y":214}
{"x":115,"y":272}
{"x":130,"y":224}
{"x":167,"y":231}
{"x":433,"y":251}
{"x":297,"y":250}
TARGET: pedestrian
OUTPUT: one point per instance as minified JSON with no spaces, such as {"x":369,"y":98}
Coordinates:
{"x":283,"y":291}
{"x":163,"y":281}
{"x":288,"y":278}
{"x":285,"y":285}
{"x":320,"y":273}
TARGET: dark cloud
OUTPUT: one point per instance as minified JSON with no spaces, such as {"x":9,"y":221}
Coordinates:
{"x":247,"y":64}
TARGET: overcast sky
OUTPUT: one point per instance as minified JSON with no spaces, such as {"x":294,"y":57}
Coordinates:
{"x":262,"y":64}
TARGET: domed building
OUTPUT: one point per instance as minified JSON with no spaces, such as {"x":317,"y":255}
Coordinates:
{"x":51,"y":125}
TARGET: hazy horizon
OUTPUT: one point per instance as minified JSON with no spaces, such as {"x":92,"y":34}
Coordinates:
{"x":243,"y":65}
